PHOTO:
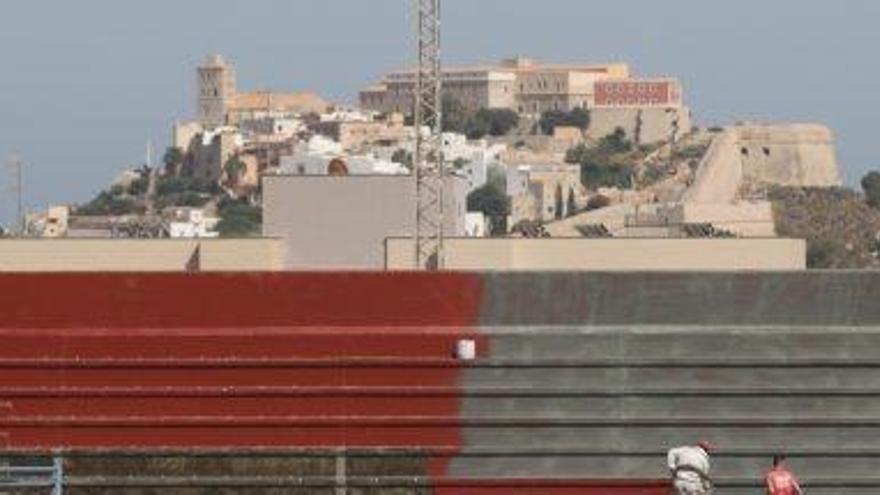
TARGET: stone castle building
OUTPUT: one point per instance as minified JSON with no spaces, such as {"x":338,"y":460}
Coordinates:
{"x":519,"y":84}
{"x":650,"y":110}
{"x":220,"y":103}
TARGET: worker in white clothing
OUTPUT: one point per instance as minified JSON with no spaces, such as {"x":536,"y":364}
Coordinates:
{"x":690,"y":468}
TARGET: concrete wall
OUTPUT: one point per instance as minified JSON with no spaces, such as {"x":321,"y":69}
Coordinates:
{"x":745,"y":219}
{"x":644,"y":125}
{"x":341,"y":223}
{"x":608,"y":402}
{"x":337,"y":223}
{"x":610,"y":254}
{"x":605,"y":372}
{"x":241,"y":255}
{"x":112,"y":255}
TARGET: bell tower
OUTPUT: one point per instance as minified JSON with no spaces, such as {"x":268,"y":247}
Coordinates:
{"x":216,"y":89}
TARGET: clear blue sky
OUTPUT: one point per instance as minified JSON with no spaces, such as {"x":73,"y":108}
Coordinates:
{"x":85,"y":83}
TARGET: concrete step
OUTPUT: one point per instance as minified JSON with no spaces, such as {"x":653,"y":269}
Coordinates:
{"x":666,"y":377}
{"x":767,"y":438}
{"x":662,"y":343}
{"x":652,"y":467}
{"x":811,"y":299}
{"x":816,"y":406}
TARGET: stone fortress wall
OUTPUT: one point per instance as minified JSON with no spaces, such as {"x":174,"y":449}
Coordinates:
{"x":744,"y":158}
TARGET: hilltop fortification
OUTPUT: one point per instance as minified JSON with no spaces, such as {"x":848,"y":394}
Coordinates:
{"x":746,"y":158}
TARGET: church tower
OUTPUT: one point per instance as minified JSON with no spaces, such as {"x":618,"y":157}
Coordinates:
{"x":216,"y":90}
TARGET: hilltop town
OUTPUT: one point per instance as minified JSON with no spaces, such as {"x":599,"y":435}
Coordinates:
{"x":534,"y":150}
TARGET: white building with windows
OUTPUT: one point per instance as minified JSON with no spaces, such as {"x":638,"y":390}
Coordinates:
{"x":191,"y":223}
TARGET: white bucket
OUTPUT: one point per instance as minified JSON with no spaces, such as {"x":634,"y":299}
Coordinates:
{"x":466,"y":350}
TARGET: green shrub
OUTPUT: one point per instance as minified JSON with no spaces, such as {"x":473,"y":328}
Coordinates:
{"x":596,"y":175}
{"x":108,"y":204}
{"x":239,"y":219}
{"x":578,"y":117}
{"x":477,"y":125}
{"x":492,"y":201}
{"x":598,"y":202}
{"x":871,"y":186}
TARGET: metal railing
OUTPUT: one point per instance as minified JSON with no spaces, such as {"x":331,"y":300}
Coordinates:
{"x":34,"y":476}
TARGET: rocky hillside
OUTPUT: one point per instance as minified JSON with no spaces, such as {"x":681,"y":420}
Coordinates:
{"x":842,"y":231}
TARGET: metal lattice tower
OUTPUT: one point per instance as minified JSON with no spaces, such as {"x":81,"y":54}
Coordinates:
{"x":17,"y":166}
{"x":429,"y":167}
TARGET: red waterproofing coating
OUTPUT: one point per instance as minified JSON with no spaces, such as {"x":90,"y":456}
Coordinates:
{"x":80,"y":350}
{"x":305,"y":361}
{"x":238,"y":301}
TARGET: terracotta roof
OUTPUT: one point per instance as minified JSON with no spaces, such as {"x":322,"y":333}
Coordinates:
{"x":301,"y":102}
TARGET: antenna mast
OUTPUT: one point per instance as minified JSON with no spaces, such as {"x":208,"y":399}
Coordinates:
{"x":429,"y":167}
{"x":17,"y":165}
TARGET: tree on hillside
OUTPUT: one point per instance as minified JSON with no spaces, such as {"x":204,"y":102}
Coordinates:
{"x":560,"y":205}
{"x":107,"y":203}
{"x":476,"y":128}
{"x":597,"y":175}
{"x":497,"y":176}
{"x":608,"y":164}
{"x":476,"y":125}
{"x":234,"y":169}
{"x":402,"y":157}
{"x":838,"y":224}
{"x":173,"y":160}
{"x":492,"y":201}
{"x":492,"y":122}
{"x":572,"y":205}
{"x":578,"y":117}
{"x":616,"y":142}
{"x":177,"y":185}
{"x":455,"y":115}
{"x":239,"y":219}
{"x":871,"y":186}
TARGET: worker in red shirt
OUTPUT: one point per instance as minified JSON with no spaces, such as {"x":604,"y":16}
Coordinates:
{"x":780,"y":481}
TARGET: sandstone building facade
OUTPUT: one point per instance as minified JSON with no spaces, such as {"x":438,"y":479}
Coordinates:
{"x":519,"y":84}
{"x":220,"y":103}
{"x":650,"y":110}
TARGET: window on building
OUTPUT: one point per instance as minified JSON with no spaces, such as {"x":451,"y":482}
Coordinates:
{"x":766,"y":151}
{"x":745,"y":151}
